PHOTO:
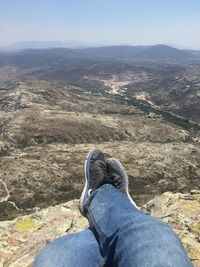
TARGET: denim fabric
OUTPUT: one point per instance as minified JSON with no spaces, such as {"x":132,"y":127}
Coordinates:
{"x":72,"y":250}
{"x":129,"y":238}
{"x":120,"y":235}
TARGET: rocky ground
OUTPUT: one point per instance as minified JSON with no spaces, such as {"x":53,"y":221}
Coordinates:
{"x":46,"y":132}
{"x":23,"y":237}
{"x":173,"y":87}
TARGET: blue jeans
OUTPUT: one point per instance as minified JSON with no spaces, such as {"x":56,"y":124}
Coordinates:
{"x":119,"y":235}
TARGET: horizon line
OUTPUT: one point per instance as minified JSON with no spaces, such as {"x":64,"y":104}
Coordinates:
{"x":75,"y":44}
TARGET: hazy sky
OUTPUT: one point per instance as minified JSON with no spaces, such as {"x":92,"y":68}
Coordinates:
{"x":101,"y":21}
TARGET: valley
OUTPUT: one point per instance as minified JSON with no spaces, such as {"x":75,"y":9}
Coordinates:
{"x":57,"y":104}
{"x":47,"y":130}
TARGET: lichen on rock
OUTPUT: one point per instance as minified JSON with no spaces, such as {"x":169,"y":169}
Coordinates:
{"x":23,"y":237}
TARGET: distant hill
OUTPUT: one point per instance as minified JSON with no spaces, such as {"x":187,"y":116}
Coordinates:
{"x":158,"y":53}
{"x":44,"y":45}
{"x":44,"y":57}
{"x":193,"y":52}
{"x":31,"y":45}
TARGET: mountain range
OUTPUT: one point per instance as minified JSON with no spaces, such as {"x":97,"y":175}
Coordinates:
{"x":165,"y":76}
{"x":155,"y":53}
{"x":158,"y":53}
{"x":44,"y":45}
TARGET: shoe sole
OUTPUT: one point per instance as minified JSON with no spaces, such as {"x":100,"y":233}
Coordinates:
{"x":124,"y":174}
{"x":87,"y":178}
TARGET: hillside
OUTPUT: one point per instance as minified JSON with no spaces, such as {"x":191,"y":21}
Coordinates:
{"x":44,"y":45}
{"x":153,"y":78}
{"x":155,"y":53}
{"x":47,"y":130}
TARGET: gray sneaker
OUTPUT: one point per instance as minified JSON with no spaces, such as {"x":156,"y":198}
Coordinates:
{"x":118,"y":177}
{"x":95,"y":175}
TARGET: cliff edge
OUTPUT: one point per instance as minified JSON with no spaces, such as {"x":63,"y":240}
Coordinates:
{"x":23,"y":237}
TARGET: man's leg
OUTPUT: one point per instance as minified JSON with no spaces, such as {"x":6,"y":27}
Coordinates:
{"x":77,"y":249}
{"x":127,"y":236}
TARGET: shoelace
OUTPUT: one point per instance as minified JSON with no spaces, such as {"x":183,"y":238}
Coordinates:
{"x":100,"y":171}
{"x":116,"y":180}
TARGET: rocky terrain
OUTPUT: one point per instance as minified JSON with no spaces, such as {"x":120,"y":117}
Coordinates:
{"x":22,"y":238}
{"x":181,"y":211}
{"x":161,"y":76}
{"x":46,"y":131}
{"x":173,"y":88}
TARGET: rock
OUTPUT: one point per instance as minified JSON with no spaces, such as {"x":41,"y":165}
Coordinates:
{"x":182,"y":212}
{"x":195,"y":191}
{"x":153,"y":115}
{"x":23,"y":237}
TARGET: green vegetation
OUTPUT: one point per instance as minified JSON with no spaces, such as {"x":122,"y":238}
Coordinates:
{"x":4,"y":151}
{"x":166,"y":115}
